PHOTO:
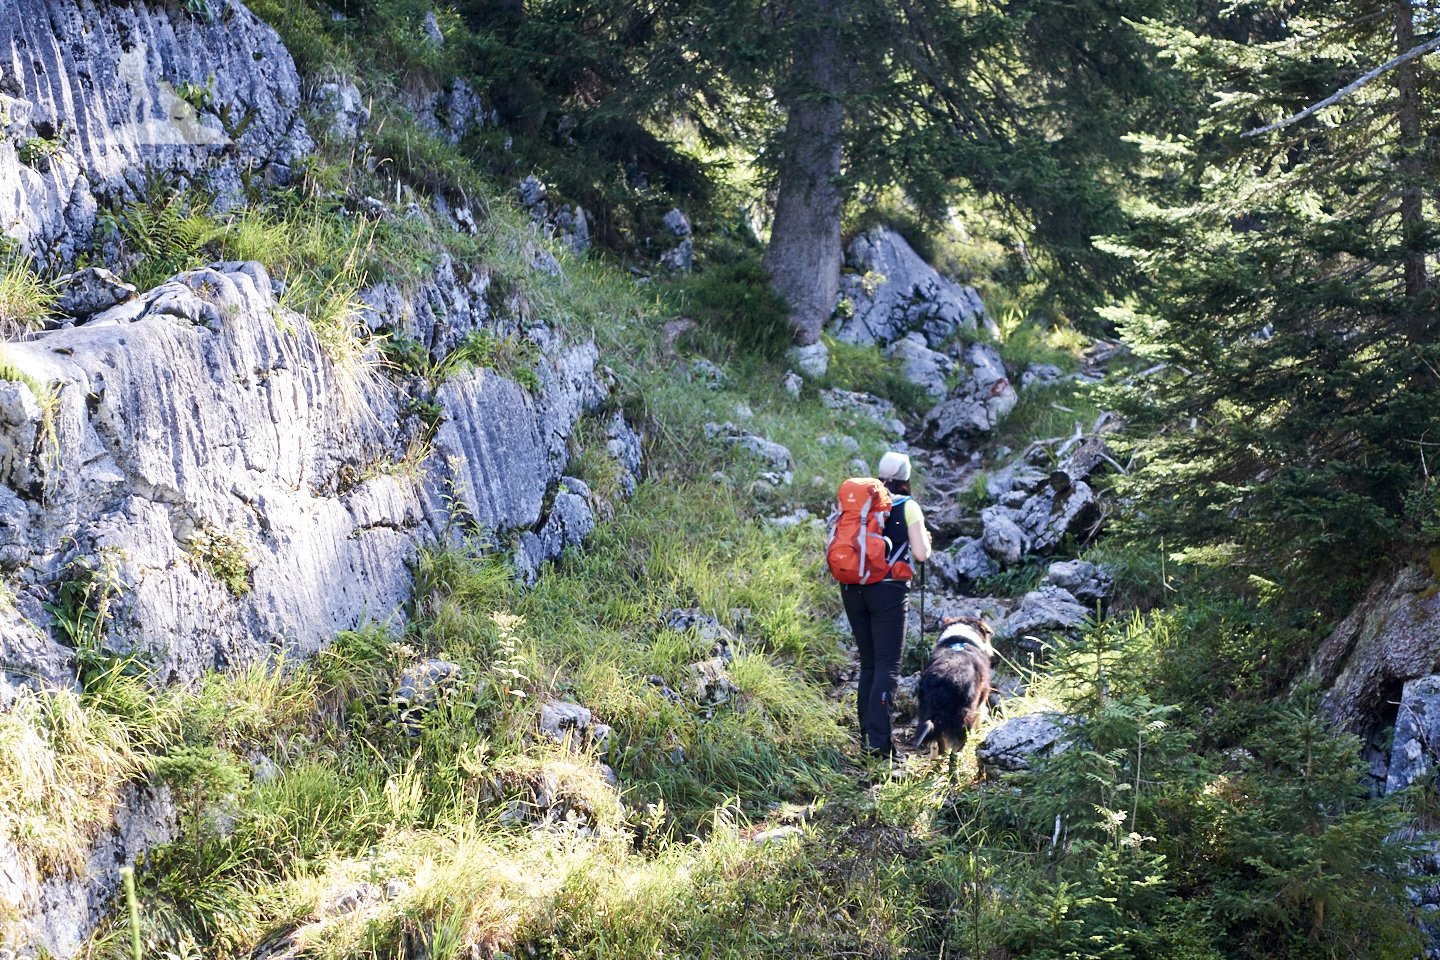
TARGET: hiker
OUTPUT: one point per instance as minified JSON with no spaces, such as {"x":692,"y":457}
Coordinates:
{"x":879,"y":605}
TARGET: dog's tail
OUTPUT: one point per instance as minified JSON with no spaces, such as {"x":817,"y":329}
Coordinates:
{"x":923,"y":731}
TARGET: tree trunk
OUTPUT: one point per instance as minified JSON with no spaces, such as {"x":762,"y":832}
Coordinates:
{"x":803,"y":258}
{"x":1412,"y":201}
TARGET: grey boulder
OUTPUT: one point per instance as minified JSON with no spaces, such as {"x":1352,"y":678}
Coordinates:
{"x":677,"y":223}
{"x":681,"y":257}
{"x":707,"y":373}
{"x":922,"y":366}
{"x":776,"y":454}
{"x":1016,"y":744}
{"x":893,"y":292}
{"x":1003,"y":539}
{"x":1045,"y":610}
{"x":975,"y":407}
{"x":342,"y":107}
{"x":723,"y":644}
{"x":1016,"y":475}
{"x":1039,"y":374}
{"x":865,"y":405}
{"x":1048,"y":516}
{"x":811,"y":360}
{"x":1086,"y":582}
{"x":85,"y":293}
{"x":965,"y":561}
{"x":420,"y":689}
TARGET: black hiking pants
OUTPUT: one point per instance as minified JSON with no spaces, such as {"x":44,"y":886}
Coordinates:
{"x":877,"y":613}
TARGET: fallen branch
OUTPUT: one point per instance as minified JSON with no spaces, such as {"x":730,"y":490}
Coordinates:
{"x":1341,"y":94}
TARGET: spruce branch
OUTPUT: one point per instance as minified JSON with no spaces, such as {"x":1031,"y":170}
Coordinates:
{"x":1344,"y":92}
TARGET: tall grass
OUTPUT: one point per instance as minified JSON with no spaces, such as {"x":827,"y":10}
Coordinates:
{"x":26,"y":299}
{"x":62,"y":768}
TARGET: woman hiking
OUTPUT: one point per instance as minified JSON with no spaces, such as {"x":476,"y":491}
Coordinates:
{"x":878,"y":611}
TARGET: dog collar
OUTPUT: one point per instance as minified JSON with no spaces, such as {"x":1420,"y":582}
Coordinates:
{"x":958,"y":635}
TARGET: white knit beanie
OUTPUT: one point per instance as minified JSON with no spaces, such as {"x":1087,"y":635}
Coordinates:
{"x":894,"y":466}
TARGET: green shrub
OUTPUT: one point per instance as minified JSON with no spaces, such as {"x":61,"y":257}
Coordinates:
{"x":226,"y":554}
{"x":867,"y":369}
{"x":26,"y":300}
{"x":736,"y":303}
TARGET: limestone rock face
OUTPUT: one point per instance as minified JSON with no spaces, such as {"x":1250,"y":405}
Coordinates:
{"x":1417,"y":734}
{"x":122,"y":82}
{"x":203,"y":412}
{"x":1390,"y":637}
{"x":61,"y":911}
{"x":191,"y":410}
{"x":894,"y":292}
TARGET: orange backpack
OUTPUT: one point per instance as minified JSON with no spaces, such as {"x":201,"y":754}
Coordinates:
{"x":856,"y":549}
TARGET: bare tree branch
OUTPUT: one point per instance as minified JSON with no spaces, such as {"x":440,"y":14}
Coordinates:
{"x":1339,"y":95}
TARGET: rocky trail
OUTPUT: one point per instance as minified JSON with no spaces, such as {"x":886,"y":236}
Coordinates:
{"x":988,"y":510}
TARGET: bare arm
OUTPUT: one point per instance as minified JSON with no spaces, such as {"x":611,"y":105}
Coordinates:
{"x":919,"y":542}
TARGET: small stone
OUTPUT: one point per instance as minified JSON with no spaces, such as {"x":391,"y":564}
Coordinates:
{"x":677,"y":223}
{"x":778,"y":455}
{"x":793,"y":382}
{"x":743,"y":411}
{"x":1039,"y":374}
{"x":708,"y":373}
{"x":395,"y":888}
{"x":432,"y":29}
{"x":559,"y":720}
{"x":846,"y":443}
{"x":812,"y":361}
{"x":790,"y":520}
{"x":776,"y":834}
{"x":858,"y":468}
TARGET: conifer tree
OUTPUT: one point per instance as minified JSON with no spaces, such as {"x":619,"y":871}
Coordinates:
{"x":1291,"y":301}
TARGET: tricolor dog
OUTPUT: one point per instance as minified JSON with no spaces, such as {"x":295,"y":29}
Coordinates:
{"x":956,"y":684}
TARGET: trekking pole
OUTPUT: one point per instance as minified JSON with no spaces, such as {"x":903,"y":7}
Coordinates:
{"x":922,"y":604}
